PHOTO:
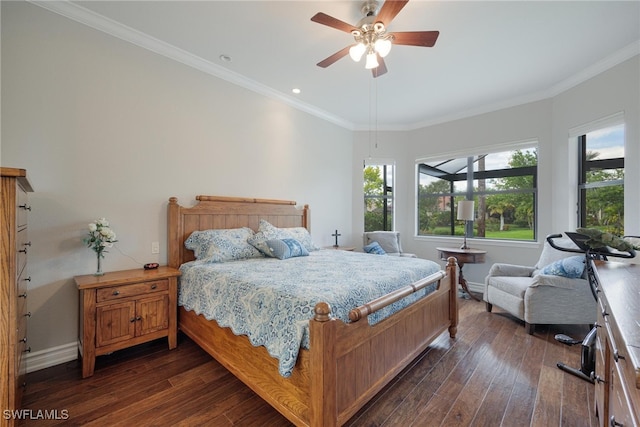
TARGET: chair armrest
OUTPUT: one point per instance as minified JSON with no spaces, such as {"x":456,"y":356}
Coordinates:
{"x":558,"y":282}
{"x":501,"y":269}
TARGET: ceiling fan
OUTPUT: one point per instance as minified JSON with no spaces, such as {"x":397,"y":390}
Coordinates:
{"x":371,"y":36}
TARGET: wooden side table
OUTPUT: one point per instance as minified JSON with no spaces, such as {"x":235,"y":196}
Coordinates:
{"x":124,"y":308}
{"x":463,"y":256}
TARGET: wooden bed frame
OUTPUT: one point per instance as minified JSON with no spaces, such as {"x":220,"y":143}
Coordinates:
{"x":347,"y":363}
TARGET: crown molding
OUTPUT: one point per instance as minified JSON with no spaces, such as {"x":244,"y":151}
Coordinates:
{"x":116,"y":29}
{"x":607,"y":63}
{"x":126,"y":33}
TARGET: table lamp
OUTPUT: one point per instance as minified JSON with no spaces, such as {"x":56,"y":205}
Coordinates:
{"x":465,"y":213}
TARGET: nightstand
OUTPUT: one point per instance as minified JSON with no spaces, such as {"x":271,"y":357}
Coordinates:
{"x":124,"y":308}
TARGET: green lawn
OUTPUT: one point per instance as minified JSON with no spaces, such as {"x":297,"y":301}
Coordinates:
{"x":513,"y":233}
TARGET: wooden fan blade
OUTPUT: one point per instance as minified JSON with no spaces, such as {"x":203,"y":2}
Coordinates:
{"x":380,"y":69}
{"x":389,"y":10}
{"x":333,"y":58}
{"x":330,"y":21}
{"x":416,"y":38}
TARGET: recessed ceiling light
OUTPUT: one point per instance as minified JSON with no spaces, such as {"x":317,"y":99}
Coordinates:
{"x":225,"y":58}
{"x":295,"y":90}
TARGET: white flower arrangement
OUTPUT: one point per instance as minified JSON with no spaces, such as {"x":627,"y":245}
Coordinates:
{"x":101,"y":236}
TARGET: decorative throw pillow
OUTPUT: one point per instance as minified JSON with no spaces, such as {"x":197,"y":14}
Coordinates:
{"x":302,"y":235}
{"x":222,"y":245}
{"x":286,"y":248}
{"x":374,"y":248}
{"x":571,"y":267}
{"x":267,"y":231}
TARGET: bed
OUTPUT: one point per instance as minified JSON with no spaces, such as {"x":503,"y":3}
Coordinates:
{"x":347,"y":362}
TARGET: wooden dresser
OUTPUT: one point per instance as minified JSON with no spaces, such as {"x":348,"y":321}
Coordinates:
{"x":617,"y":378}
{"x":14,"y":246}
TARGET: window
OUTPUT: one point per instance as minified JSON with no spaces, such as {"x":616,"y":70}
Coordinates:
{"x":601,"y":179}
{"x":378,"y":197}
{"x":502,"y":184}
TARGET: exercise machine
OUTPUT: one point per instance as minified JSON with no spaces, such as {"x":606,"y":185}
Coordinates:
{"x":588,"y":343}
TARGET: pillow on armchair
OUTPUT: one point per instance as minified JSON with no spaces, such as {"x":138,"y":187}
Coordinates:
{"x":389,"y":241}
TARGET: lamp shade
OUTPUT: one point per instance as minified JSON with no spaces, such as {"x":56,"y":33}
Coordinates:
{"x":465,"y":210}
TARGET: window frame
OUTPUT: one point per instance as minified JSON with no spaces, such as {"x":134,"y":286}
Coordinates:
{"x":585,"y":166}
{"x":470,"y":193}
{"x":388,"y":192}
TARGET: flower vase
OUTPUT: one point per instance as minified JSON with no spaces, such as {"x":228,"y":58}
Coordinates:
{"x":99,"y":271}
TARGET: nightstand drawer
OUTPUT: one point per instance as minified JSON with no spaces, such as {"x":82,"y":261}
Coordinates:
{"x":125,"y":291}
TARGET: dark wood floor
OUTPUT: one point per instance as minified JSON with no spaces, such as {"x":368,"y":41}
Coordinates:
{"x":492,"y":374}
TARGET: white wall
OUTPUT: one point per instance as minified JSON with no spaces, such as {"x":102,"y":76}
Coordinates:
{"x":549,"y":122}
{"x":105,"y":128}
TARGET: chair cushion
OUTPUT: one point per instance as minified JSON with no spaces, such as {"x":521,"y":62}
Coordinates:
{"x":515,"y":286}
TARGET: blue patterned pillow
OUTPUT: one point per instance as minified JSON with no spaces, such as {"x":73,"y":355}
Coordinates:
{"x":267,"y":231}
{"x":259,"y":240}
{"x":222,"y":245}
{"x":374,"y":248}
{"x":302,"y":235}
{"x":286,"y":248}
{"x":571,"y":267}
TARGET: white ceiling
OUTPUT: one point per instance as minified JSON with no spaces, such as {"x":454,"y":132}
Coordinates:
{"x":489,"y":55}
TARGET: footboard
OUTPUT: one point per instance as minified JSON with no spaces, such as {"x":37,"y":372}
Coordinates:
{"x":350,"y":363}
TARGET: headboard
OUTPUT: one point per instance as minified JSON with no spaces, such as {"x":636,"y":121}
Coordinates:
{"x":216,"y":212}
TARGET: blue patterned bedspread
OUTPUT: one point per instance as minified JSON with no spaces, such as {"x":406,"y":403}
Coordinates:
{"x":272,"y":300}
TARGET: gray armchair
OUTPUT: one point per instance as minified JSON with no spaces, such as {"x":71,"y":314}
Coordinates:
{"x":388,"y":240}
{"x":538,"y":298}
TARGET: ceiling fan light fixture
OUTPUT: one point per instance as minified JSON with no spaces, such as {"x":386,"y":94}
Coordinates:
{"x":356,"y":51}
{"x":372,"y":60}
{"x":383,"y":46}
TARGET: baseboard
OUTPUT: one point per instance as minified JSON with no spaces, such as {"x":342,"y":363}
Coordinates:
{"x":52,"y":356}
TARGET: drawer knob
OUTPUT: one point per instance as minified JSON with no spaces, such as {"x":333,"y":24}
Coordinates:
{"x":24,"y":295}
{"x":23,"y":339}
{"x":27,"y":350}
{"x":617,"y":356}
{"x":24,"y":251}
{"x":116,"y":292}
{"x":613,"y":422}
{"x":154,"y":286}
{"x":28,"y":314}
{"x":28,"y":279}
{"x":604,"y":313}
{"x":595,"y":378}
{"x":28,"y":244}
{"x":25,"y":207}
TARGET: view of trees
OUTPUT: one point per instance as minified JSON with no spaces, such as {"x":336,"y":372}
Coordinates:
{"x":605,"y":205}
{"x":504,"y":205}
{"x":378,"y":196}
